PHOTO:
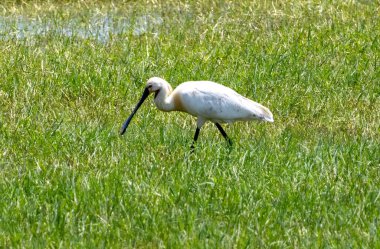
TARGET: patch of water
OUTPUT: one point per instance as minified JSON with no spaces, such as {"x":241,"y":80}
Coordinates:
{"x":101,"y":28}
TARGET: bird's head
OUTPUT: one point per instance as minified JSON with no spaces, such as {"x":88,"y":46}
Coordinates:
{"x":156,"y":84}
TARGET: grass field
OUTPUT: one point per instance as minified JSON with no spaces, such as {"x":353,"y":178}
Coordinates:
{"x":71,"y":72}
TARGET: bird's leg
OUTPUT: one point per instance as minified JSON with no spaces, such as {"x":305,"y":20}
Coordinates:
{"x":195,"y":138}
{"x":224,"y":134}
{"x":200,"y":122}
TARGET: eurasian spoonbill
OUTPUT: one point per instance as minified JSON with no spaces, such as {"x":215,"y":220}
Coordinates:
{"x":206,"y":100}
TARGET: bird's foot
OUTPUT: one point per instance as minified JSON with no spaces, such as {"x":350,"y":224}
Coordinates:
{"x":230,"y":145}
{"x":229,"y":141}
{"x":192,"y":148}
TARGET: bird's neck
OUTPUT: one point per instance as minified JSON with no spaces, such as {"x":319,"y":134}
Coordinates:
{"x":161,"y":99}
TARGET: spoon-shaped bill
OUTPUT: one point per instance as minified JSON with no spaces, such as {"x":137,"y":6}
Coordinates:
{"x":126,"y":123}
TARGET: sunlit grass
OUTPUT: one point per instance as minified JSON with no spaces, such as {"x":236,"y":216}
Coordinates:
{"x":311,"y":179}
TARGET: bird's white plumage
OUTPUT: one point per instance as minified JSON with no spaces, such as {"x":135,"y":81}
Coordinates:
{"x":217,"y":103}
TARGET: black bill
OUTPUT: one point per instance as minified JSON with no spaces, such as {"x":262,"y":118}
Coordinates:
{"x":126,"y":123}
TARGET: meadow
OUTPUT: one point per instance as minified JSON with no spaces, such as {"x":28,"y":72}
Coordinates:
{"x":72,"y":71}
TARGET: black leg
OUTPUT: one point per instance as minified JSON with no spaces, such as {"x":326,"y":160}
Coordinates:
{"x":223,"y":133}
{"x":195,"y":138}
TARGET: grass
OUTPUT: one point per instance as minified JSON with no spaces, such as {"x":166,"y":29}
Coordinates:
{"x":309,"y":180}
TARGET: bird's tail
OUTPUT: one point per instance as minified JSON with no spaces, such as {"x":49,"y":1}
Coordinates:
{"x":269,"y":117}
{"x":264,"y":113}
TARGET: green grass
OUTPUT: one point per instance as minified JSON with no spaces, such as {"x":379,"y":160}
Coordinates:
{"x":309,"y":180}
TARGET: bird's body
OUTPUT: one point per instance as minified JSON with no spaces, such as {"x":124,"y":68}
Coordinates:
{"x":216,"y":103}
{"x":206,"y":100}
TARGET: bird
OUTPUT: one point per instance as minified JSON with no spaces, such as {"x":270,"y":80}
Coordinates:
{"x":205,"y":100}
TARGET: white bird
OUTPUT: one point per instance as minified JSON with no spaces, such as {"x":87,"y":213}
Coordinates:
{"x":206,"y":100}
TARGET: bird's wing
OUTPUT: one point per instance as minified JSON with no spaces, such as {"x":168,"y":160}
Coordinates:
{"x":218,"y":103}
